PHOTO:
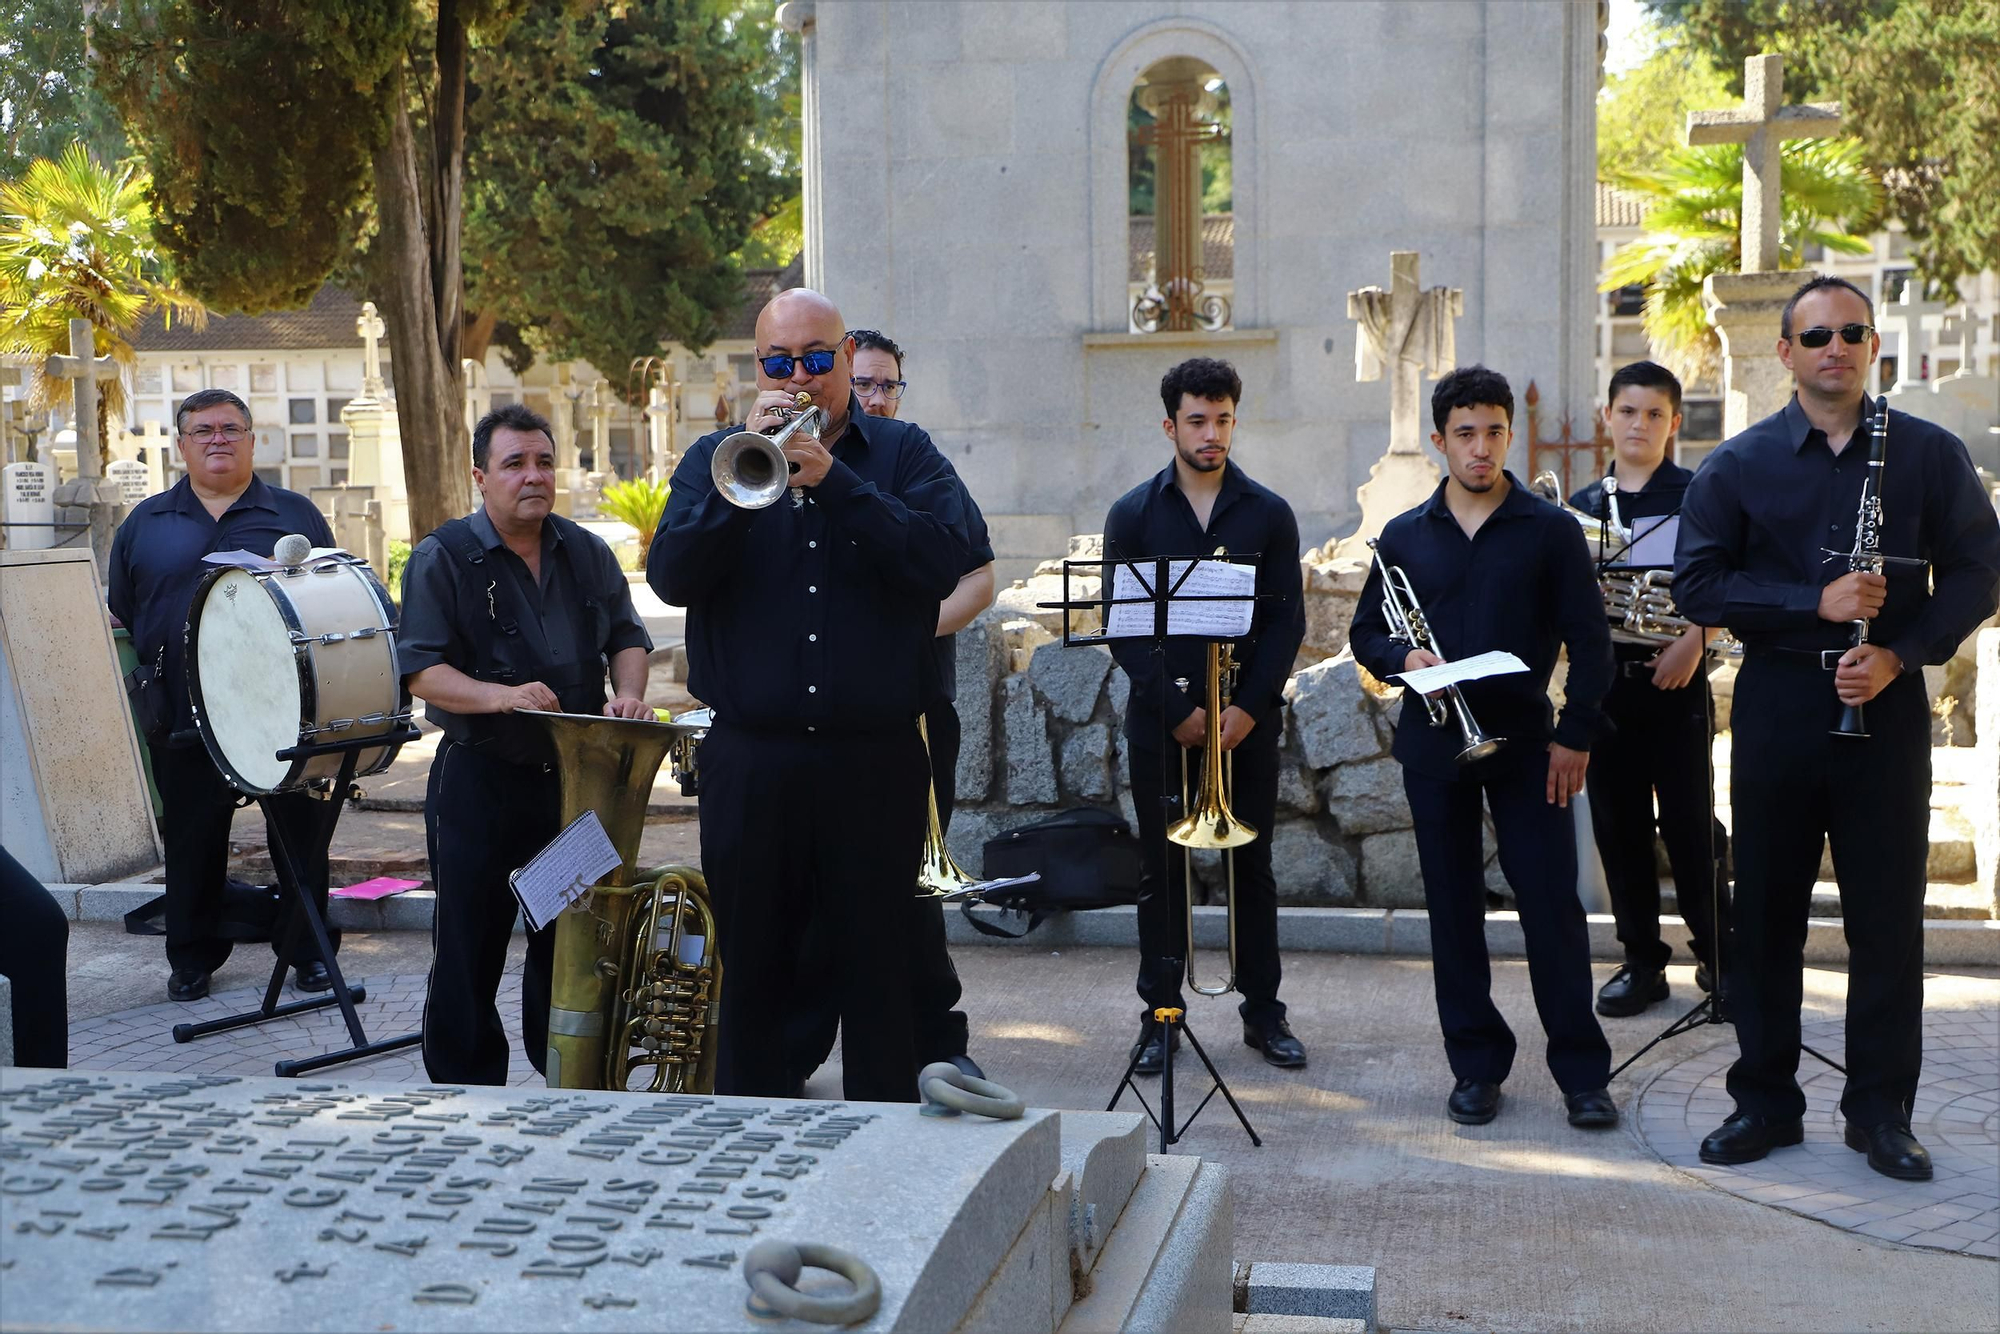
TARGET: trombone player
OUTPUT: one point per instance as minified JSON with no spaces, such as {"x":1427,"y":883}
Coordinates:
{"x":1496,"y":568}
{"x":809,"y":623}
{"x":1198,"y":502}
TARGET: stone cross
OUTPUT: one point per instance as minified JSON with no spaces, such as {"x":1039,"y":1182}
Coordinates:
{"x":370,"y":328}
{"x":1962,"y":327}
{"x":1912,"y":319}
{"x":83,"y":369}
{"x":1410,"y":329}
{"x":1761,"y":124}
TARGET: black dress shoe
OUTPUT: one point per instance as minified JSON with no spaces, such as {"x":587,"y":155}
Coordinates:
{"x":1892,"y":1150}
{"x":1280,"y":1048}
{"x":1631,"y":990}
{"x":1746,"y":1137}
{"x":314,"y":977}
{"x":1592,"y":1109}
{"x":1152,"y":1049}
{"x":187,"y":984}
{"x":967,"y":1066}
{"x":1472,"y":1103}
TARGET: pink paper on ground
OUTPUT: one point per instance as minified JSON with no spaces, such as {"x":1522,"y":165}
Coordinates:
{"x":381,"y":887}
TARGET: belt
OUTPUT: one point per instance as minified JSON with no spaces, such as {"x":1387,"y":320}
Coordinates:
{"x":1826,"y":659}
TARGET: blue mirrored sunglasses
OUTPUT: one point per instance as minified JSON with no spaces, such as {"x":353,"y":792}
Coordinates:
{"x":780,"y":367}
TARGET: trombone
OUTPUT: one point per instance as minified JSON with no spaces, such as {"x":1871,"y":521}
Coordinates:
{"x":1408,"y":626}
{"x":938,"y":875}
{"x":1210,"y":823}
{"x":750,"y":469}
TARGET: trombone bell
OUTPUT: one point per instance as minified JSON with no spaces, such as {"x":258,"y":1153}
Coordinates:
{"x":938,"y":876}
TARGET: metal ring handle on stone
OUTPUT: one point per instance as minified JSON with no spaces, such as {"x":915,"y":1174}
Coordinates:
{"x":772,"y":1268}
{"x":948,"y":1091}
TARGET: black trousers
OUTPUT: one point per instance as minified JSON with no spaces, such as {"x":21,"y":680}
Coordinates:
{"x":34,"y":957}
{"x":940,"y":1027}
{"x":1163,"y":916}
{"x":483,"y":818}
{"x":803,"y":828}
{"x":197,"y":806}
{"x":1794,"y":787}
{"x":1660,"y":746}
{"x":1538,"y":856}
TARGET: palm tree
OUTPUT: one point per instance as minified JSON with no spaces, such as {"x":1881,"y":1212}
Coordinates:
{"x":76,"y":242}
{"x":1693,"y":230}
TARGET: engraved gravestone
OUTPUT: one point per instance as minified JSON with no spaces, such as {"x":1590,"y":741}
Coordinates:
{"x":134,"y":483}
{"x":27,"y":505}
{"x":141,"y":1202}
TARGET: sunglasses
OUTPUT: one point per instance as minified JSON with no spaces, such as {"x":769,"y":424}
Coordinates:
{"x":816,"y":363}
{"x":1819,"y":335}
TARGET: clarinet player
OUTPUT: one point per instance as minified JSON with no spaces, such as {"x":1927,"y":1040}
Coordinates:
{"x":1759,"y":529}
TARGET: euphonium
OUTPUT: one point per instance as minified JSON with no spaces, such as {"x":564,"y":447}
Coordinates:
{"x":750,"y":469}
{"x":1210,"y":823}
{"x":627,"y":987}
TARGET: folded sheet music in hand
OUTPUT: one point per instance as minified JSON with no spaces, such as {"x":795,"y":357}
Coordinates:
{"x":564,"y":871}
{"x":1426,"y":679}
{"x":1210,"y":578}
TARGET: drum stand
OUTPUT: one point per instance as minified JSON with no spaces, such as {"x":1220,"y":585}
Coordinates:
{"x":300,"y":909}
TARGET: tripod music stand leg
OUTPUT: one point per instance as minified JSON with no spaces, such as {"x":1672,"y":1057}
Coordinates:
{"x":1222,"y":1088}
{"x":281,"y":858}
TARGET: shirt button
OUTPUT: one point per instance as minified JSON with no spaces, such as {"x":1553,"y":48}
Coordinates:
{"x":811,"y":728}
{"x":812,"y":690}
{"x":812,"y":588}
{"x":812,"y":639}
{"x":812,"y":544}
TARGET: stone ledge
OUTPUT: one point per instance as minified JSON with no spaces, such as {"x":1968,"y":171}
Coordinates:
{"x":1337,"y":1292}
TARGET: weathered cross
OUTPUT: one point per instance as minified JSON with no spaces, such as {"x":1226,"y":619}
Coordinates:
{"x":1912,"y":319}
{"x":1962,"y":327}
{"x":1762,"y":124}
{"x":1410,"y":328}
{"x":83,"y":369}
{"x":370,"y":328}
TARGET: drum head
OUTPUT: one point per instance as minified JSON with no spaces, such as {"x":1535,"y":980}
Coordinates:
{"x":247,"y":681}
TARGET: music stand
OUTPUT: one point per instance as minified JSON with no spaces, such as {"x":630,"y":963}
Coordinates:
{"x":1154,"y":574}
{"x":302,"y":912}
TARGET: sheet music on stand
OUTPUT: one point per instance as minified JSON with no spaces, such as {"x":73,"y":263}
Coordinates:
{"x":1652,"y":546}
{"x":564,"y":871}
{"x":1219,"y":599}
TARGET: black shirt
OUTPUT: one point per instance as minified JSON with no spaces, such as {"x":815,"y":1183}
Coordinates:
{"x":576,"y":574}
{"x":1767,"y":505}
{"x":156,"y":561}
{"x":946,"y":646}
{"x":1155,"y":519}
{"x":1524,"y":584}
{"x":819,"y":616}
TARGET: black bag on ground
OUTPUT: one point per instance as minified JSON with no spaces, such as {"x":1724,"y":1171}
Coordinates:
{"x":249,"y":913}
{"x":1087,"y":858}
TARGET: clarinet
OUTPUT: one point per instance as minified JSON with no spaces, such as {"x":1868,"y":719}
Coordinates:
{"x":1866,"y":557}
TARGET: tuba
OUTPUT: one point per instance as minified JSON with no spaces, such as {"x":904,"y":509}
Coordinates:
{"x":1638,"y":603}
{"x":1209,"y":823}
{"x":636,"y":980}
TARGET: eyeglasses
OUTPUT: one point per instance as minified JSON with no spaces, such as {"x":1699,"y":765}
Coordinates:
{"x":867,"y":385}
{"x":1820,"y":336}
{"x":780,"y":368}
{"x":201,"y":435}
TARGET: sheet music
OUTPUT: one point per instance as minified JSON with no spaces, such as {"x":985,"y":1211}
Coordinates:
{"x":1652,"y":545}
{"x":1210,"y":620}
{"x":250,"y":560}
{"x":558,"y":875}
{"x":1426,"y":679}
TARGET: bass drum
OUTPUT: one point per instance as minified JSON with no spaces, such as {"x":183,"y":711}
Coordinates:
{"x":289,"y":657}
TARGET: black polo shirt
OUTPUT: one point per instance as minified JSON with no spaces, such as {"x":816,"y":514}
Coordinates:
{"x":1768,"y":505}
{"x":578,"y":572}
{"x":946,"y":646}
{"x":1155,"y":519}
{"x":819,"y":616}
{"x":156,"y":561}
{"x":1525,"y":584}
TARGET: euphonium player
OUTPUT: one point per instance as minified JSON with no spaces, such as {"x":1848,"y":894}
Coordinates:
{"x":809,"y":624}
{"x":1198,"y":502}
{"x":1759,"y":521}
{"x":1496,"y":568}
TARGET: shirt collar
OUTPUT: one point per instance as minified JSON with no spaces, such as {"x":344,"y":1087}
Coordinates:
{"x":1798,"y":428}
{"x":860,"y":426}
{"x":256,"y":496}
{"x":1233,"y":482}
{"x":489,"y":536}
{"x":1668,"y":473}
{"x":1519,"y":502}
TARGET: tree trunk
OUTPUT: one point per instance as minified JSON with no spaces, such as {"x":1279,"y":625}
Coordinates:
{"x":479,"y":329}
{"x":417,"y":283}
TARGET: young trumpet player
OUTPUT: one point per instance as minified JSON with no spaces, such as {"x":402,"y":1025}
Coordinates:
{"x":1494,"y":567}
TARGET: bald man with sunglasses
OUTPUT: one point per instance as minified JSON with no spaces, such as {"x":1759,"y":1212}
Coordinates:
{"x":809,"y":626}
{"x":1764,"y":531}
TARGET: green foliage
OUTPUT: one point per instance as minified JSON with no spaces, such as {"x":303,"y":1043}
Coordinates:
{"x":1919,"y":84}
{"x":47,"y":100}
{"x":638,"y":502}
{"x":399,"y":560}
{"x":76,"y":241}
{"x":612,"y":175}
{"x":260,"y":124}
{"x":1693,"y":229}
{"x":1642,"y":113}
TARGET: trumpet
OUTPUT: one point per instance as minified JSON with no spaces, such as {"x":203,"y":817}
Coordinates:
{"x":1408,"y":626}
{"x":750,"y":469}
{"x":1209,"y":823}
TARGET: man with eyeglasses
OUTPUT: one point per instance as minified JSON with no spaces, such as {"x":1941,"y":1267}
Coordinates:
{"x":1761,"y":527}
{"x":941,"y":1028}
{"x":808,"y":630}
{"x":156,"y":560}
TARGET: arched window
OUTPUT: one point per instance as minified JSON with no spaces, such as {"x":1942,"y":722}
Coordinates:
{"x":1180,"y":198}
